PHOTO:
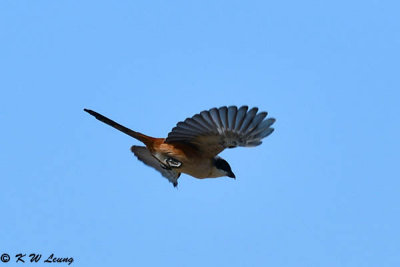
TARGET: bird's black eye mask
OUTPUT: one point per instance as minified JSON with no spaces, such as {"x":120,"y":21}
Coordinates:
{"x":222,"y":165}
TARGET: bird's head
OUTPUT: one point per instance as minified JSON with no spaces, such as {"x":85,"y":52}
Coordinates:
{"x":222,"y":168}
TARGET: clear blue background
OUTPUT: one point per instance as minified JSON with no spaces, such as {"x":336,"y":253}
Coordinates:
{"x":322,"y":190}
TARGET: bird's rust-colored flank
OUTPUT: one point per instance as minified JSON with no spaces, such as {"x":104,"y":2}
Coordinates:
{"x":193,"y":145}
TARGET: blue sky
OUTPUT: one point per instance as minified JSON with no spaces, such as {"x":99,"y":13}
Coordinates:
{"x":322,"y":190}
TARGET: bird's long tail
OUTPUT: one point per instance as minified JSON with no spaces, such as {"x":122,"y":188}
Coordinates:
{"x":147,"y":140}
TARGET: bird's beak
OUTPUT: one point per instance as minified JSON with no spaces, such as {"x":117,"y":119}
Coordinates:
{"x":232,"y":175}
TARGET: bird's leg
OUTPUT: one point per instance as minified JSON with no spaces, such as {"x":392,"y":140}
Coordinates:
{"x":173,"y":162}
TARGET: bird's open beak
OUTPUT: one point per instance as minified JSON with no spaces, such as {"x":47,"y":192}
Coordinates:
{"x":232,"y":175}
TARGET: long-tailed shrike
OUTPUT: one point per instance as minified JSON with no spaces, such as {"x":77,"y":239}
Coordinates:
{"x":193,"y":145}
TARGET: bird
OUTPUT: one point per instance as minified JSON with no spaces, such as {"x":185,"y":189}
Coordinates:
{"x":193,"y":145}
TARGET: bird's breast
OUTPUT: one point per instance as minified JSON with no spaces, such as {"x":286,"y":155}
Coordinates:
{"x":193,"y":163}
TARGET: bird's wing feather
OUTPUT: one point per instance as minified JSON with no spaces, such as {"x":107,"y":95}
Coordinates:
{"x":216,"y":129}
{"x":143,"y":154}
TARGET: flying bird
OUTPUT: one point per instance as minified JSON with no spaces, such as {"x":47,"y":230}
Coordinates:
{"x":193,"y":145}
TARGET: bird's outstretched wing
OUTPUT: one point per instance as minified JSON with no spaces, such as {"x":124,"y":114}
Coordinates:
{"x":226,"y":127}
{"x":143,"y":154}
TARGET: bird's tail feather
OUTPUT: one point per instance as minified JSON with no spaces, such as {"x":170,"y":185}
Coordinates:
{"x":147,"y":140}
